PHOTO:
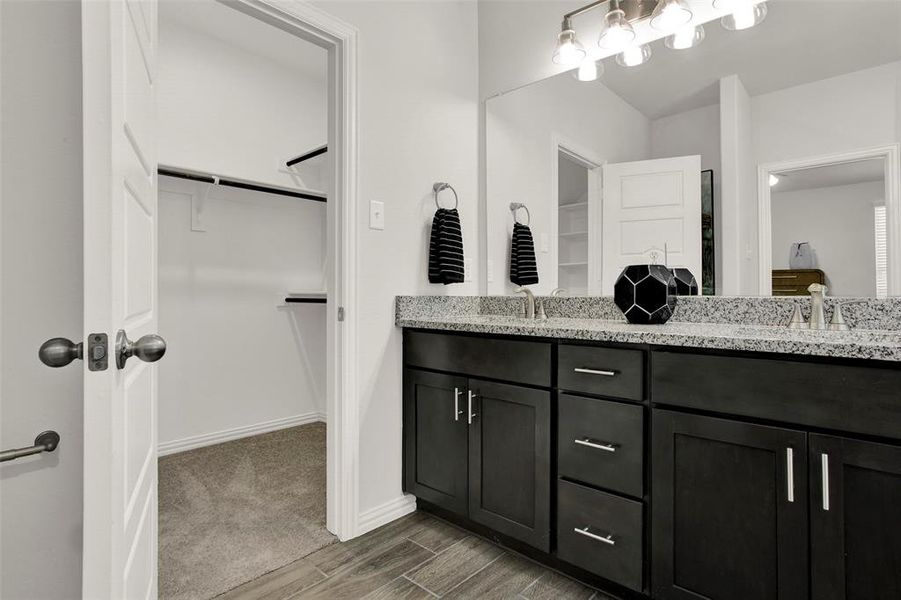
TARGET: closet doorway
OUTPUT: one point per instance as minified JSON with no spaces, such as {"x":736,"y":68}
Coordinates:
{"x":246,"y":279}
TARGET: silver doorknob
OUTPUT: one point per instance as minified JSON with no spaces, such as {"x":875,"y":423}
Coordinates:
{"x":59,"y":352}
{"x":149,"y":348}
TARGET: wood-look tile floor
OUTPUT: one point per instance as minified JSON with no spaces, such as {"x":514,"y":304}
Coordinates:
{"x":416,"y":557}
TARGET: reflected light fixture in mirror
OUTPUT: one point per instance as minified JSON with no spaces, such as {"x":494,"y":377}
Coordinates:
{"x":687,"y":37}
{"x":569,"y":51}
{"x":617,"y":32}
{"x":670,"y":15}
{"x":634,"y":56}
{"x":745,"y":13}
{"x":773,"y":180}
{"x":589,"y":70}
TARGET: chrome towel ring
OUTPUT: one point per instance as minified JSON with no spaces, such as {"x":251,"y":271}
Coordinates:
{"x":514,"y":206}
{"x":440,"y":187}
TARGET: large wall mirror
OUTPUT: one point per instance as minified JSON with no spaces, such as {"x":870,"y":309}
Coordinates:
{"x":762,"y":160}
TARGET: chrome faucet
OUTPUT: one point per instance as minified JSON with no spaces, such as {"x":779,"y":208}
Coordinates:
{"x":530,"y":302}
{"x":817,"y":313}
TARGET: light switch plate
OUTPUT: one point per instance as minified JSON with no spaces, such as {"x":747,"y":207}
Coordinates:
{"x":376,"y":215}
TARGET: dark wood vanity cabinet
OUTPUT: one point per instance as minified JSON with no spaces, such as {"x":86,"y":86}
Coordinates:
{"x":480,"y":449}
{"x":664,"y":472}
{"x":855,"y":519}
{"x":729,"y":509}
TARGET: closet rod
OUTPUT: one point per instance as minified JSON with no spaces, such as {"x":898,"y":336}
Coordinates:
{"x":239,"y":184}
{"x":307,"y":156}
{"x":295,"y":300}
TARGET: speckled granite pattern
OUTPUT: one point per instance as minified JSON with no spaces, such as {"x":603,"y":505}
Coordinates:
{"x":859,"y":313}
{"x":745,"y":324}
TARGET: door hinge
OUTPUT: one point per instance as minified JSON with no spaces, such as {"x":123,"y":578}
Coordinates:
{"x":340,"y":313}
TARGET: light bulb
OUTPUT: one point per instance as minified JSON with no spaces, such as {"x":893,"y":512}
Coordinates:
{"x":773,"y":180}
{"x":746,"y":14}
{"x":589,"y":70}
{"x":617,"y":32}
{"x":569,"y":51}
{"x":687,"y":37}
{"x":669,"y":15}
{"x":634,"y":56}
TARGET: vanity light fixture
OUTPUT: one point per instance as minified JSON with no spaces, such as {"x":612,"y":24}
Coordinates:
{"x":617,"y":32}
{"x":634,"y":56}
{"x":687,"y":37}
{"x":670,"y":15}
{"x":744,"y":14}
{"x":773,"y":180}
{"x":569,"y":51}
{"x":589,"y":70}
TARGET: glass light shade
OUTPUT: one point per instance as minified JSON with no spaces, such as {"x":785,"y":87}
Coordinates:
{"x":589,"y":70}
{"x":687,"y":37}
{"x":670,"y":15}
{"x":569,"y":51}
{"x":634,"y":56}
{"x":747,"y":14}
{"x":617,"y":32}
{"x":773,"y":180}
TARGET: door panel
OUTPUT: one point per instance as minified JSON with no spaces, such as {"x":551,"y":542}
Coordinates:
{"x":855,"y":528}
{"x":650,"y":205}
{"x":509,"y":461}
{"x":729,"y":514}
{"x":120,"y":280}
{"x":435,"y":434}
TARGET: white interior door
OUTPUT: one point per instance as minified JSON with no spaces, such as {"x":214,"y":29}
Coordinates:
{"x":651,"y":206}
{"x":120,"y":279}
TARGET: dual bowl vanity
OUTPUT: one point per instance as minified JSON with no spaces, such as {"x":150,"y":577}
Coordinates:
{"x":689,"y":460}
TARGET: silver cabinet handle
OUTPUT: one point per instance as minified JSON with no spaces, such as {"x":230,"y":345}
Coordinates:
{"x":588,"y":371}
{"x":470,"y":415}
{"x":607,"y":539}
{"x":597,"y":445}
{"x":457,"y":411}
{"x":824,"y":461}
{"x":790,"y":473}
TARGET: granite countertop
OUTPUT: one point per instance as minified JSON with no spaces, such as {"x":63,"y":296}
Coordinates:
{"x":877,"y":345}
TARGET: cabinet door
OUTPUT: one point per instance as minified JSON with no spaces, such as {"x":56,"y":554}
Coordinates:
{"x":729,"y":509}
{"x":509,"y":461}
{"x":435,"y":434}
{"x":855,"y":519}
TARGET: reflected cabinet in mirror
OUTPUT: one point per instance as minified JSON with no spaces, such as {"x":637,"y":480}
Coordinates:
{"x":762,"y":160}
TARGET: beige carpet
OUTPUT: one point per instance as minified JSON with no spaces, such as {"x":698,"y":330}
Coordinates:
{"x":232,"y":512}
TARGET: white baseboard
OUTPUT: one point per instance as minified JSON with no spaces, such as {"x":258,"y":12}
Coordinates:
{"x":227,"y":435}
{"x":387,"y":512}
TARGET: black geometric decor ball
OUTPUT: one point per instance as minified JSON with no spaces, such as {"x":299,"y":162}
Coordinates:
{"x":686,"y":284}
{"x":646,"y":294}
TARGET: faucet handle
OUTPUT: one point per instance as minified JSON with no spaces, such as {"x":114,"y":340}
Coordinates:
{"x":797,"y":320}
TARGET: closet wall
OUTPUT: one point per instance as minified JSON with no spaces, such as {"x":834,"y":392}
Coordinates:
{"x":237,"y":99}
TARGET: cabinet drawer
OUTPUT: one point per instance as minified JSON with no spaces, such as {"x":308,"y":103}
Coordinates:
{"x":860,"y":399}
{"x":613,"y":372}
{"x":600,"y":533}
{"x":601,"y":443}
{"x":519,"y":361}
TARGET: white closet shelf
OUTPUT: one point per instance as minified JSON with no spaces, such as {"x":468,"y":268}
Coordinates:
{"x":573,"y":234}
{"x":573,"y":205}
{"x":573,"y":264}
{"x":306,"y":298}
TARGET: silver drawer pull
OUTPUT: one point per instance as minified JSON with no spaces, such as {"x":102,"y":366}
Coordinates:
{"x":588,"y":371}
{"x":596,"y":445}
{"x":824,"y":464}
{"x":607,"y":539}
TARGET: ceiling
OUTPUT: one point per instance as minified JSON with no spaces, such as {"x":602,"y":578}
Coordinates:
{"x":800,"y":41}
{"x":862,"y":171}
{"x":211,"y":18}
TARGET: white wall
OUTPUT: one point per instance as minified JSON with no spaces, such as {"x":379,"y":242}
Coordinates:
{"x":235,"y":358}
{"x":418,"y":116}
{"x":520,"y":129}
{"x":838,"y":223}
{"x":40,"y":497}
{"x":229,"y":111}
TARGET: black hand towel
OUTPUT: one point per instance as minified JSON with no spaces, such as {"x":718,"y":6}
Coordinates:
{"x":523,"y":266}
{"x":446,"y":248}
